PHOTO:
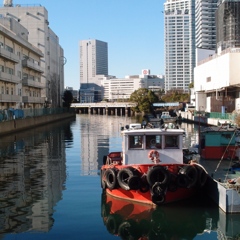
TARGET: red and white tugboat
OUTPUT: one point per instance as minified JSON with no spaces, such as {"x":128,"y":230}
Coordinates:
{"x":150,"y":167}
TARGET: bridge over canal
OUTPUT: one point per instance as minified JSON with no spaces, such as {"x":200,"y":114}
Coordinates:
{"x":105,"y":108}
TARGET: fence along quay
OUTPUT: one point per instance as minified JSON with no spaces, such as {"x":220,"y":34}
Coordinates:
{"x":105,"y":108}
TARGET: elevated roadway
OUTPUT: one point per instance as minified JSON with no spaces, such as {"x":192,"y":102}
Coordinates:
{"x":105,"y":108}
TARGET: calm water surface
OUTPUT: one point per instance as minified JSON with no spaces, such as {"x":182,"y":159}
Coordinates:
{"x":50,"y":189}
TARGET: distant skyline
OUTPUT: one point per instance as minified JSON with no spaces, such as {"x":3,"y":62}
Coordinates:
{"x":133,"y":29}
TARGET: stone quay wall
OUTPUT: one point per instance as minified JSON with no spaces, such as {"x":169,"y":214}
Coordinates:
{"x":31,"y":122}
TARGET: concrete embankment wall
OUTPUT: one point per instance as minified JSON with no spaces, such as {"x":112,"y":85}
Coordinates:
{"x":27,"y":123}
{"x":189,"y":117}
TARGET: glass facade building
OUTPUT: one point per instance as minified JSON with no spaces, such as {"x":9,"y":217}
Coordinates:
{"x":228,"y":24}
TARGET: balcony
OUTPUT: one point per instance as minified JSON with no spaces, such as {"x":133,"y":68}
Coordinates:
{"x":6,"y":77}
{"x":29,"y":64}
{"x":31,"y":83}
{"x":27,"y":99}
{"x":9,"y":98}
{"x":9,"y":56}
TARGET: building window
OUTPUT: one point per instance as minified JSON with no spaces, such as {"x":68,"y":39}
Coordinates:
{"x":10,"y":49}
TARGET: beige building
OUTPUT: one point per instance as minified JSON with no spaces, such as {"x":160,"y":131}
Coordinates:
{"x":35,"y":20}
{"x":122,"y":88}
{"x":21,"y":85}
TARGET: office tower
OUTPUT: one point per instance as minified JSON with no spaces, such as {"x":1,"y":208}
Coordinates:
{"x":93,"y":68}
{"x":35,"y":19}
{"x":179,"y":34}
{"x":205,"y":26}
{"x":93,"y":61}
{"x":228,"y":24}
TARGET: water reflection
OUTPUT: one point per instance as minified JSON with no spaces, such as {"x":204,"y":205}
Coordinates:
{"x":99,"y":135}
{"x":49,"y":184}
{"x":32,"y":177}
{"x":183,"y":220}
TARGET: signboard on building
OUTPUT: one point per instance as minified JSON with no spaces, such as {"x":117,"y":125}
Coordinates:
{"x":145,"y":72}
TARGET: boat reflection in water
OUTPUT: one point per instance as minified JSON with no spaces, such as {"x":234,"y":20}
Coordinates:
{"x":182,"y":220}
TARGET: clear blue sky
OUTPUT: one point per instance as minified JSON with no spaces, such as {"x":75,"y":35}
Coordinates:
{"x":133,"y":29}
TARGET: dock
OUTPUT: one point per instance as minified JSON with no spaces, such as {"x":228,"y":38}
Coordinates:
{"x":226,"y":195}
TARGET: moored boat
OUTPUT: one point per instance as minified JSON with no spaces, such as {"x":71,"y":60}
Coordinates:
{"x":219,"y":142}
{"x":167,"y":118}
{"x":150,"y":167}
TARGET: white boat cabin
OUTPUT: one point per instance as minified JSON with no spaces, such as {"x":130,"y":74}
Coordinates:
{"x":139,"y":143}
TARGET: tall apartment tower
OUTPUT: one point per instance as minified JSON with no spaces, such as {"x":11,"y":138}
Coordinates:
{"x":205,"y":25}
{"x":179,"y":33}
{"x":228,"y":24}
{"x":35,"y":20}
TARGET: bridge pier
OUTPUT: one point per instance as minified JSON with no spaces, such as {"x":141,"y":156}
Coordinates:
{"x":105,"y":108}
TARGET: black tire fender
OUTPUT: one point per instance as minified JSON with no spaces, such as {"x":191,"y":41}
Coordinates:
{"x":111,"y":178}
{"x":102,"y":176}
{"x":191,"y":173}
{"x":157,"y":174}
{"x":128,"y":178}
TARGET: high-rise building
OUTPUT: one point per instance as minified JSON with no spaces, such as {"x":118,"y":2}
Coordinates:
{"x":205,"y":26}
{"x":35,"y":20}
{"x":179,"y":34}
{"x":93,"y":68}
{"x":93,"y":62}
{"x":228,"y":24}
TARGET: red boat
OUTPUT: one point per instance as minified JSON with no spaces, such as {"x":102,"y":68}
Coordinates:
{"x":150,"y":168}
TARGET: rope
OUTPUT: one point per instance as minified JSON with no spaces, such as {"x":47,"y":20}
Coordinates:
{"x":224,"y":153}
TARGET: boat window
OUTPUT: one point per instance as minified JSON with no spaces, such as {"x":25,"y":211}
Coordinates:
{"x":171,"y":141}
{"x":135,"y":141}
{"x":153,"y":141}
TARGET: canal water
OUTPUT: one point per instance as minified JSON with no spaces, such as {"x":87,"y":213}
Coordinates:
{"x":50,"y":189}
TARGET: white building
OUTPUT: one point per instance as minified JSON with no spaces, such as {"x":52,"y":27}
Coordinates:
{"x":121,"y":88}
{"x":35,"y":20}
{"x":93,"y":69}
{"x":217,"y":78}
{"x":93,"y":61}
{"x":179,"y":34}
{"x":217,"y":82}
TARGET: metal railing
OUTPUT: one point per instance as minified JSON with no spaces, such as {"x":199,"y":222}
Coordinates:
{"x":227,"y":116}
{"x":11,"y":114}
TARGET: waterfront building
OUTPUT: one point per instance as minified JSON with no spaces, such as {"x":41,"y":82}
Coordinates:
{"x":216,"y":82}
{"x":93,"y":68}
{"x":35,"y":19}
{"x":179,"y":35}
{"x":116,"y":89}
{"x":20,"y":70}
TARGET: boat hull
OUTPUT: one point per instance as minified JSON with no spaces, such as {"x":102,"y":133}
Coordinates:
{"x":153,"y":184}
{"x":146,"y":198}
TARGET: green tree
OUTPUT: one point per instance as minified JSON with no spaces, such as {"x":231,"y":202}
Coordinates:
{"x":176,"y":96}
{"x":67,"y":98}
{"x":144,"y":99}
